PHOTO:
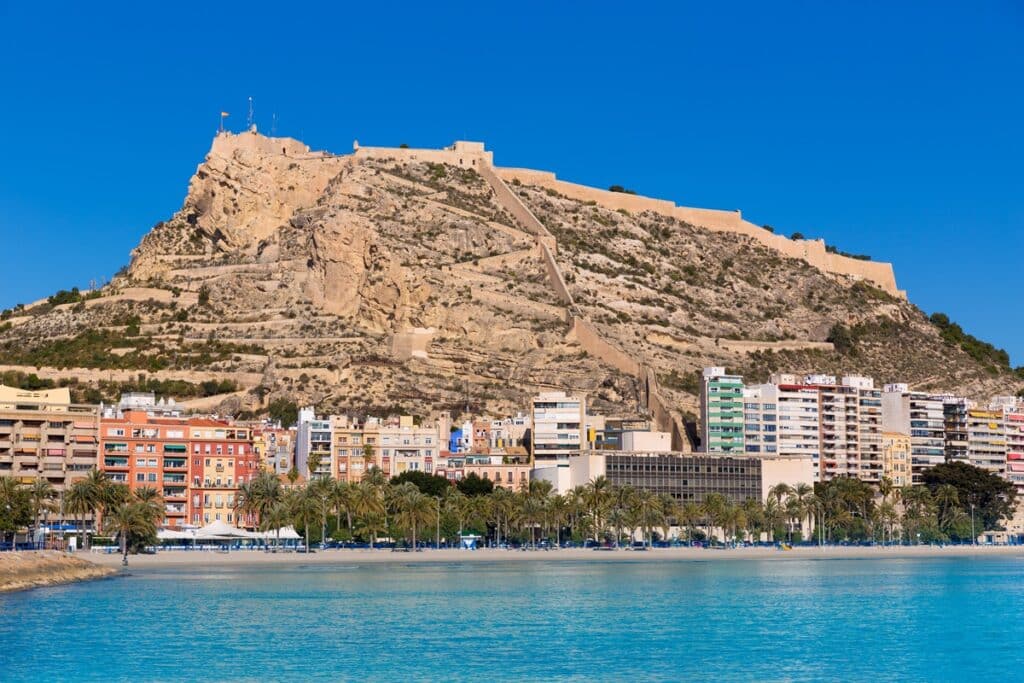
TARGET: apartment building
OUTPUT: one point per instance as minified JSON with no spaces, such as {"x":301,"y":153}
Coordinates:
{"x":355,"y":447}
{"x":850,"y":411}
{"x":986,"y":439}
{"x":922,"y":417}
{"x":222,"y":458}
{"x":45,"y":436}
{"x":558,"y":428}
{"x":1013,"y":421}
{"x":405,"y":446}
{"x":312,"y":444}
{"x":274,"y":447}
{"x":504,"y":471}
{"x":721,"y":412}
{"x":143,"y":451}
{"x":896,"y":458}
{"x":509,"y":431}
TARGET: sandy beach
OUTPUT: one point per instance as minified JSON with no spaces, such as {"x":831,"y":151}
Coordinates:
{"x":191,"y":558}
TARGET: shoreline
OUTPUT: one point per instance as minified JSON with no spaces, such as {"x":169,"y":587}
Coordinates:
{"x":28,"y":569}
{"x":248,"y":558}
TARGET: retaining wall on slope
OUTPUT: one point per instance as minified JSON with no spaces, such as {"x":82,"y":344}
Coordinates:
{"x":663,"y":415}
{"x":515,"y":206}
{"x":555,"y":276}
{"x":811,"y":251}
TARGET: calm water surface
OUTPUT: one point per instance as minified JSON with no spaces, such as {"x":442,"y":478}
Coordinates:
{"x":881,"y":620}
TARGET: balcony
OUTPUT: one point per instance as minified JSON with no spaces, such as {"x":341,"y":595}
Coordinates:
{"x":174,"y":479}
{"x":115,"y":463}
{"x":177,"y":464}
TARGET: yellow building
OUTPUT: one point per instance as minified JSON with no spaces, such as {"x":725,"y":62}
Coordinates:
{"x":896,"y":458}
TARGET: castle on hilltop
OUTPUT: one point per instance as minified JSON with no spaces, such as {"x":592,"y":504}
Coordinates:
{"x":474,"y":155}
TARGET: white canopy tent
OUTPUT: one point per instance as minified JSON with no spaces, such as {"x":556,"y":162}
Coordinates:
{"x":287,"y":533}
{"x":221,"y":531}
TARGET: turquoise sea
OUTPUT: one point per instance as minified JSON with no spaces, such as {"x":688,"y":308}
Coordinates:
{"x":828,"y":620}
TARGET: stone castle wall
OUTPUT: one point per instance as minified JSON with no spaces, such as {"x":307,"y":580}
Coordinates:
{"x":811,"y":251}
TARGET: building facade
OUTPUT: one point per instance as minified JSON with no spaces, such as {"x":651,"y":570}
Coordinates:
{"x":43,"y":436}
{"x":721,"y":412}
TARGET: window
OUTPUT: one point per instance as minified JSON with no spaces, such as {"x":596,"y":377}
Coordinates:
{"x":207,"y":462}
{"x":140,"y":477}
{"x":152,"y":476}
{"x":206,"y":449}
{"x":195,"y":448}
{"x":152,"y":462}
{"x":140,"y":462}
{"x":115,"y":431}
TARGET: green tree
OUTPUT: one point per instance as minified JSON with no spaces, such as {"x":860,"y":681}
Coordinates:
{"x":428,"y":484}
{"x":474,"y":485}
{"x":15,"y":507}
{"x":992,"y":496}
{"x":283,"y":411}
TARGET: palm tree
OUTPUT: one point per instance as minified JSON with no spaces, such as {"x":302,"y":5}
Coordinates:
{"x":501,"y":506}
{"x":557,"y":512}
{"x":714,"y":510}
{"x":245,"y":501}
{"x":41,"y":495}
{"x":343,"y":497}
{"x":648,"y":512}
{"x":96,"y":485}
{"x":131,"y":520}
{"x":414,"y":508}
{"x":260,"y":495}
{"x":275,"y":517}
{"x":531,"y":512}
{"x":800,"y":493}
{"x":152,"y":499}
{"x":774,"y":514}
{"x":780,"y":491}
{"x":598,"y":496}
{"x":368,"y":508}
{"x":323,"y":489}
{"x":305,"y":507}
{"x":77,"y":503}
{"x":576,"y":505}
{"x":689,"y":514}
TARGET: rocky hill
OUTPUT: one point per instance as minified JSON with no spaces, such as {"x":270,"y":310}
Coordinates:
{"x":427,"y":280}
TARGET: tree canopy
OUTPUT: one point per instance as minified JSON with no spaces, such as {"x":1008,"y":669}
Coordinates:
{"x":473,"y":485}
{"x":993,"y":497}
{"x":428,"y":484}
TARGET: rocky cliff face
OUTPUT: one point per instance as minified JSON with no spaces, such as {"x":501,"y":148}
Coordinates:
{"x":396,"y":284}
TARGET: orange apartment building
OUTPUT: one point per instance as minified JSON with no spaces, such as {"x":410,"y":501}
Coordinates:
{"x":195,"y":463}
{"x":141,"y":450}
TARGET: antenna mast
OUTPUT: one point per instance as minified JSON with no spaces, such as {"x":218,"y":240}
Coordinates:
{"x":250,"y":112}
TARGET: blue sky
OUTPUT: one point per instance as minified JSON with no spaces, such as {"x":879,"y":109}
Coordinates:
{"x":886,"y":128}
